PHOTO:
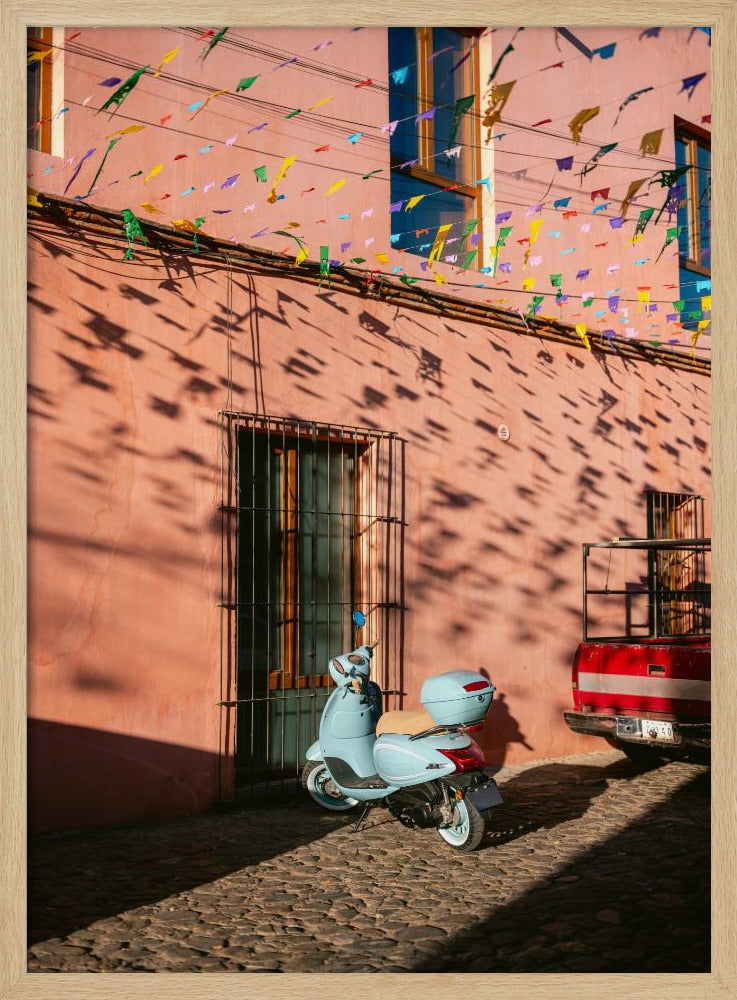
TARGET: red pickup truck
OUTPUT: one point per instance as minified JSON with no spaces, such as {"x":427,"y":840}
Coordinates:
{"x":648,"y":694}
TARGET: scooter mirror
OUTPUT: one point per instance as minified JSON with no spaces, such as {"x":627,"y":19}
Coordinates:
{"x":359,"y":619}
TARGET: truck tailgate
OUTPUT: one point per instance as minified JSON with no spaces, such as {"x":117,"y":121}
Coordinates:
{"x":653,"y":676}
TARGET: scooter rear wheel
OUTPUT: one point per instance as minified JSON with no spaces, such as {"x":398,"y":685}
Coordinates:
{"x":316,"y":780}
{"x":468,"y":830}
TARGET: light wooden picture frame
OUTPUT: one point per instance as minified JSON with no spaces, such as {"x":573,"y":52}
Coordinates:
{"x":15,"y":982}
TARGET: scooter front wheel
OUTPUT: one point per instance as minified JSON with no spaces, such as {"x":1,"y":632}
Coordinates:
{"x":467,"y":830}
{"x":317,"y":781}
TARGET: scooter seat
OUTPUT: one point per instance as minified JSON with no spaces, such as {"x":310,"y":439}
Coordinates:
{"x":407,"y":723}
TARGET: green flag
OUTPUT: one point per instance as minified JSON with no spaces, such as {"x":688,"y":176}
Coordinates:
{"x":246,"y":82}
{"x":132,"y":232}
{"x":206,"y":52}
{"x":123,"y":90}
{"x":645,"y":215}
{"x":468,"y":258}
{"x":461,"y":107}
{"x":324,"y":265}
{"x":99,"y":169}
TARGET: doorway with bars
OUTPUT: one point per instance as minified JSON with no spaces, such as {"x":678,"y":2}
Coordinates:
{"x":312,"y":528}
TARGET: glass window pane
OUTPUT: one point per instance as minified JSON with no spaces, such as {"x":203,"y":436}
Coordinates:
{"x":452,"y":79}
{"x":684,"y":240}
{"x":439,"y":208}
{"x":403,"y":94}
{"x":704,"y":188}
{"x":33,"y":104}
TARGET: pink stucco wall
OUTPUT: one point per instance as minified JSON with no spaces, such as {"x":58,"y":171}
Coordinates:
{"x":127,"y":371}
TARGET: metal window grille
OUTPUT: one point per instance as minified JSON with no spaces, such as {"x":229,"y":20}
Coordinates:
{"x":677,"y":516}
{"x":312,"y":527}
{"x":680,"y":593}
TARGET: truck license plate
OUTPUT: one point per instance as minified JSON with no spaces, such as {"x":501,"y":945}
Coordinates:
{"x":652,"y":730}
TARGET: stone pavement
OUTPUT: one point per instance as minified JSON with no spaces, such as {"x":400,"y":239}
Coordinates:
{"x":592,"y":866}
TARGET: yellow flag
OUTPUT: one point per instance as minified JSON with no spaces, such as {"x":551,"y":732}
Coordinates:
{"x":634,"y":239}
{"x":335,"y":187}
{"x":301,"y":255}
{"x":185,"y":225}
{"x":497,"y":99}
{"x":437,"y":247}
{"x":631,"y":192}
{"x":440,"y":279}
{"x":650,"y":143}
{"x":37,"y":55}
{"x":167,"y":59}
{"x":706,"y":303}
{"x":581,"y":331}
{"x":319,"y":103}
{"x":151,"y":208}
{"x":577,"y":123}
{"x":153,"y":172}
{"x":413,"y":201}
{"x":703,"y":323}
{"x":643,"y":298}
{"x":33,"y":198}
{"x":382,"y":258}
{"x":288,"y":161}
{"x":528,"y":284}
{"x":535,"y":230}
{"x":127,"y":131}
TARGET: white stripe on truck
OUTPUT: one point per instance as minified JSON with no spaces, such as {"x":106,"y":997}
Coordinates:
{"x":653,"y":687}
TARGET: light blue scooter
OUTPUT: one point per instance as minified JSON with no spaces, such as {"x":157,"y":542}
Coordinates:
{"x":421,"y":765}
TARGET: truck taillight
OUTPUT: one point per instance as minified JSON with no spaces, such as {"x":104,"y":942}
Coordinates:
{"x":465,"y":758}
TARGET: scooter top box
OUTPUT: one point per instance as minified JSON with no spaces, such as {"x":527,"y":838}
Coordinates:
{"x":457,"y":698}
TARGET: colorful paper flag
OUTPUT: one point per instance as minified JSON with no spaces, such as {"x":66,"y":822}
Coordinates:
{"x":166,"y":59}
{"x":288,"y":161}
{"x":581,"y":331}
{"x":630,"y":99}
{"x":690,"y":83}
{"x":577,"y":123}
{"x":500,"y":93}
{"x":650,"y":143}
{"x":122,"y":92}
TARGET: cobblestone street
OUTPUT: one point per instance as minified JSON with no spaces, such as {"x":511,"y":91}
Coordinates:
{"x":592,"y":866}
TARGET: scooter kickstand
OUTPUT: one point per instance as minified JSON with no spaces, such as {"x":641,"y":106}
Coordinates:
{"x":362,"y":817}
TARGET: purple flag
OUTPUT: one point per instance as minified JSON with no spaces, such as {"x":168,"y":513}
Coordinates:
{"x":230,"y":182}
{"x":502,"y":217}
{"x":79,"y":167}
{"x":690,"y":83}
{"x":566,"y":163}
